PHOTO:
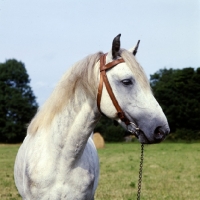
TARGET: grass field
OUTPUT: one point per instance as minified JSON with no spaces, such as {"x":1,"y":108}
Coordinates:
{"x":171,"y":171}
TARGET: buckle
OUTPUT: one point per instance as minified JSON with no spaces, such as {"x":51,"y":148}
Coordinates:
{"x":133,"y":129}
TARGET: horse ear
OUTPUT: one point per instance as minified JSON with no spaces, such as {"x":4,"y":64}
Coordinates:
{"x":134,"y":50}
{"x":116,"y":46}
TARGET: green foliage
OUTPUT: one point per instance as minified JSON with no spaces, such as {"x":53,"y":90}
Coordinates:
{"x":17,"y":101}
{"x":178,"y":93}
{"x":185,"y":134}
{"x":109,"y":131}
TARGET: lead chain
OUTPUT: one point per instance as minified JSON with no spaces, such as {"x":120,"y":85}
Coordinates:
{"x":140,"y":172}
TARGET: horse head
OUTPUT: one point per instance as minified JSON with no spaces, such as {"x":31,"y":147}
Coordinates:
{"x":130,"y":96}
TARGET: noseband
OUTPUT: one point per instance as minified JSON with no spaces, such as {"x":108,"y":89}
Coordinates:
{"x":131,"y":127}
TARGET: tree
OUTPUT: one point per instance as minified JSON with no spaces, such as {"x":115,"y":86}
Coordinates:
{"x":178,"y":92}
{"x":17,"y":101}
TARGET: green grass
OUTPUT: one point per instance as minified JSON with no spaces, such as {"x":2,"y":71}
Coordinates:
{"x":7,"y":186}
{"x":171,"y":171}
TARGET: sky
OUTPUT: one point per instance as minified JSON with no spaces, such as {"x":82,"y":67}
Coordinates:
{"x":48,"y":36}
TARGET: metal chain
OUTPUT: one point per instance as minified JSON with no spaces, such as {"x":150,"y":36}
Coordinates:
{"x":140,"y":172}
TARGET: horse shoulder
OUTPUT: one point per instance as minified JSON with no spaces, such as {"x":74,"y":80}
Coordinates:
{"x":34,"y":167}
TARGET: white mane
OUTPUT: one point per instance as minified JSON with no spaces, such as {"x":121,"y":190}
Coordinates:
{"x":81,"y":75}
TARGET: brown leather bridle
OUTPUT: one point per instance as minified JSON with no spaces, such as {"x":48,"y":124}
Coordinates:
{"x":104,"y":79}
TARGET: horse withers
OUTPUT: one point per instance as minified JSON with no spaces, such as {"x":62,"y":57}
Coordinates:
{"x":58,"y":159}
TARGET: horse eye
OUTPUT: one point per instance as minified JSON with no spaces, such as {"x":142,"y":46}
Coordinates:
{"x":127,"y":82}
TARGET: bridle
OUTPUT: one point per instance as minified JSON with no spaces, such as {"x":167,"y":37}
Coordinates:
{"x":131,"y":127}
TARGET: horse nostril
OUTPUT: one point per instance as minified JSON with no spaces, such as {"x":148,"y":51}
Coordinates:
{"x":159,"y":134}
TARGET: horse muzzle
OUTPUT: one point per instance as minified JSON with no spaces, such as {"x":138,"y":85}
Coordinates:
{"x":158,"y":135}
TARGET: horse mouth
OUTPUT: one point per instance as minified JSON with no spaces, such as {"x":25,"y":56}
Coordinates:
{"x":158,"y":137}
{"x":142,"y":137}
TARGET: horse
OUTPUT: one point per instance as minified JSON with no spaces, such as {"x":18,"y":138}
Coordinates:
{"x":58,"y":159}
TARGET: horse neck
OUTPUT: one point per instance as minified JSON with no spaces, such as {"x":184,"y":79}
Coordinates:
{"x":73,"y":126}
